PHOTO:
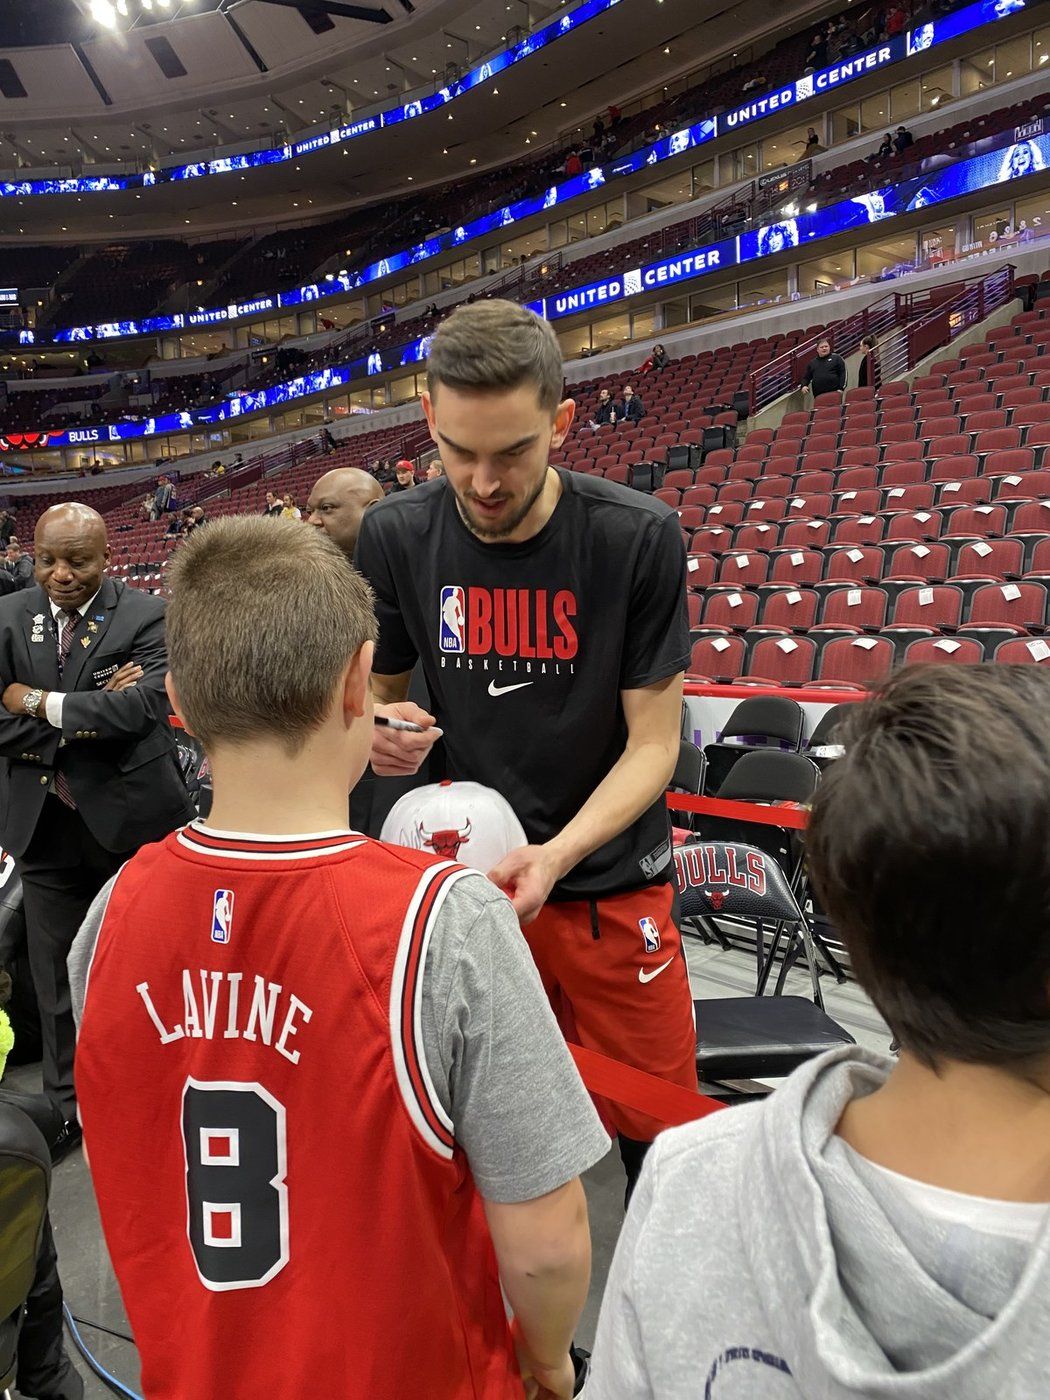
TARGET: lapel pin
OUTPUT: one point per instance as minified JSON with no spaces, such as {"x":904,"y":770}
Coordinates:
{"x":85,"y":641}
{"x":38,"y":620}
{"x":92,"y":627}
{"x":100,"y":617}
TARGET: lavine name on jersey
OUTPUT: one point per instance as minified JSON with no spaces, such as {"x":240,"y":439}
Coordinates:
{"x":215,"y":1006}
{"x":517,"y":624}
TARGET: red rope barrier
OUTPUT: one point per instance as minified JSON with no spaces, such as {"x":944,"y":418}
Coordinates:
{"x":670,"y":1104}
{"x":784,"y":814}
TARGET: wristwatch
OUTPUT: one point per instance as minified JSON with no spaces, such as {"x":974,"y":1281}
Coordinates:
{"x":31,"y":702}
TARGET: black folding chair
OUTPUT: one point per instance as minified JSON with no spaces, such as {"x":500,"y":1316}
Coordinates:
{"x":745,"y":1038}
{"x":688,"y":777}
{"x":774,"y":719}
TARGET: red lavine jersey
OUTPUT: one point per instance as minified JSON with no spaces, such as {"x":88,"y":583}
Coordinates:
{"x":284,"y":1203}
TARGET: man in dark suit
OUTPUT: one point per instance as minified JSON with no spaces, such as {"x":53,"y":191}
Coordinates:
{"x":88,"y":766}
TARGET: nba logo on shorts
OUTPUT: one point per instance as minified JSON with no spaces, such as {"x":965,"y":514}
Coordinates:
{"x":453,"y":619}
{"x":651,"y":934}
{"x":222,"y":916}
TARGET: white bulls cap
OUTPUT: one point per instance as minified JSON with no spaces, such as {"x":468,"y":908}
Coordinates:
{"x":458,"y":821}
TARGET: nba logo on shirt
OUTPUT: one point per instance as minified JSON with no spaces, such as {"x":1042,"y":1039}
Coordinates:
{"x":650,"y":933}
{"x":222,"y":916}
{"x":453,"y":619}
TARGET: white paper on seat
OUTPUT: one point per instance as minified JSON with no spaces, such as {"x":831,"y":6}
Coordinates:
{"x":920,"y":551}
{"x":866,"y":642}
{"x":982,"y":549}
{"x":947,"y":645}
{"x":925,"y":597}
{"x":1010,"y":592}
{"x":855,"y":556}
{"x":798,"y":559}
{"x":720,"y":644}
{"x":734,"y":600}
{"x":787,"y":645}
{"x":853,"y":597}
{"x":793,"y":597}
{"x":693,"y":565}
{"x":1039,"y":650}
{"x":742,"y":560}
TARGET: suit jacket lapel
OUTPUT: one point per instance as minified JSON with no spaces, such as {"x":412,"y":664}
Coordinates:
{"x":41,"y":641}
{"x":100,"y":614}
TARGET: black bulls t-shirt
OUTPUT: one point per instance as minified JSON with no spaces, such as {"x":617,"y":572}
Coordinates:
{"x":526,"y":648}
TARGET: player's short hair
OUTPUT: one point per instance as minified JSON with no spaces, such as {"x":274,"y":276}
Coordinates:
{"x":497,"y":345}
{"x":928,"y":844}
{"x":263,"y":619}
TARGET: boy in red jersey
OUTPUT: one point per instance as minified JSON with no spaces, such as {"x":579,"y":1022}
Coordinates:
{"x":313,"y":1069}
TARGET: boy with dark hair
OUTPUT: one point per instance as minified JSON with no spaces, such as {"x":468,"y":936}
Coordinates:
{"x":880,"y":1228}
{"x":327,"y":1108}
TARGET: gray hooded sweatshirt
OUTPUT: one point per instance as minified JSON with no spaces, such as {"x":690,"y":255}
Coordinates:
{"x":763,"y":1259}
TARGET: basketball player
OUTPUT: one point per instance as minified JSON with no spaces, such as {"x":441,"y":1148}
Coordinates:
{"x":548,"y":609}
{"x":327,"y":1108}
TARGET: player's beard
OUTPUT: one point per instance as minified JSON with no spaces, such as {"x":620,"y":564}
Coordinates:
{"x":506,"y":526}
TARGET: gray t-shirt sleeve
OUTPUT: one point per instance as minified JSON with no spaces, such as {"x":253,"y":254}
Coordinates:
{"x":82,"y":951}
{"x":498,"y":1061}
{"x":618,"y":1369}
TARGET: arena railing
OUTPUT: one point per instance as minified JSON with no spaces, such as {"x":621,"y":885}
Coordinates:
{"x":907,"y":324}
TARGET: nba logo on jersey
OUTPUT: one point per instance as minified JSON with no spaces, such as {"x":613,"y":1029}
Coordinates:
{"x":453,"y":619}
{"x":222,"y":916}
{"x":650,"y":933}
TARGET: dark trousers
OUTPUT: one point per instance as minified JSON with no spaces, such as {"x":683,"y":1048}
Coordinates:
{"x":62,"y":871}
{"x":44,"y":1368}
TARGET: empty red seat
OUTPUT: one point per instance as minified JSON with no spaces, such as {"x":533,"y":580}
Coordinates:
{"x":940,"y":651}
{"x":801,"y":566}
{"x":730,"y":608}
{"x":785,"y":660}
{"x":717,"y":657}
{"x":1016,"y":479}
{"x":1023,"y":604}
{"x":995,"y":557}
{"x":1023,"y":651}
{"x":790,"y":607}
{"x":856,"y":607}
{"x":743,"y":569}
{"x":926,"y":561}
{"x":929,"y":605}
{"x":856,"y":660}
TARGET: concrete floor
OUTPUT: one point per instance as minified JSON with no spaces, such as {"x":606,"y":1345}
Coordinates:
{"x":88,"y":1280}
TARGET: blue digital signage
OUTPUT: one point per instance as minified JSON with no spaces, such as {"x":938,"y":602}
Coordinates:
{"x":275,"y":155}
{"x":1026,"y":155}
{"x":667,"y":148}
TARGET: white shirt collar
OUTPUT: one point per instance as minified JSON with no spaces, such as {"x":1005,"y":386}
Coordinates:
{"x":56,"y":611}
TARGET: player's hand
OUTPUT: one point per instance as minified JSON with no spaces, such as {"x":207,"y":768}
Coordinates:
{"x":527,"y":877}
{"x":128,"y":675}
{"x":396,"y":754}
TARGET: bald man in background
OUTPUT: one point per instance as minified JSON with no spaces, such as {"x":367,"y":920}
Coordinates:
{"x":88,"y":761}
{"x":337,"y":506}
{"x":338,"y":503}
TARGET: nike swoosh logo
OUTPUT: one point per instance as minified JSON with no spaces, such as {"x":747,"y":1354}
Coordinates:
{"x":644,"y":976}
{"x":495,"y":689}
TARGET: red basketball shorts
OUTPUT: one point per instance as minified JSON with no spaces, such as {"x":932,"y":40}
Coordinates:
{"x":616,"y":977}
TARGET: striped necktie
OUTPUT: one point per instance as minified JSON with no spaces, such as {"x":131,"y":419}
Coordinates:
{"x":70,"y":617}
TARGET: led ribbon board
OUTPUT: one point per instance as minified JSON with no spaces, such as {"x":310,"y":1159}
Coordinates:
{"x":941,"y":179}
{"x":969,"y":18}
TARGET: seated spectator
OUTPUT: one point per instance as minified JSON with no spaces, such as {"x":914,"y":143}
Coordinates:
{"x":885,"y":148}
{"x":573,"y":164}
{"x":813,"y":143}
{"x":912,"y":1241}
{"x":194,"y":519}
{"x":18,"y":565}
{"x":826,"y":372}
{"x":605,"y":411}
{"x":818,"y":50}
{"x":435,"y":471}
{"x":146,"y":509}
{"x":631,"y":407}
{"x":659,"y":359}
{"x":896,"y":19}
{"x":274,"y":506}
{"x":289,"y":509}
{"x":177,"y":524}
{"x":903,"y":140}
{"x":404,"y":476}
